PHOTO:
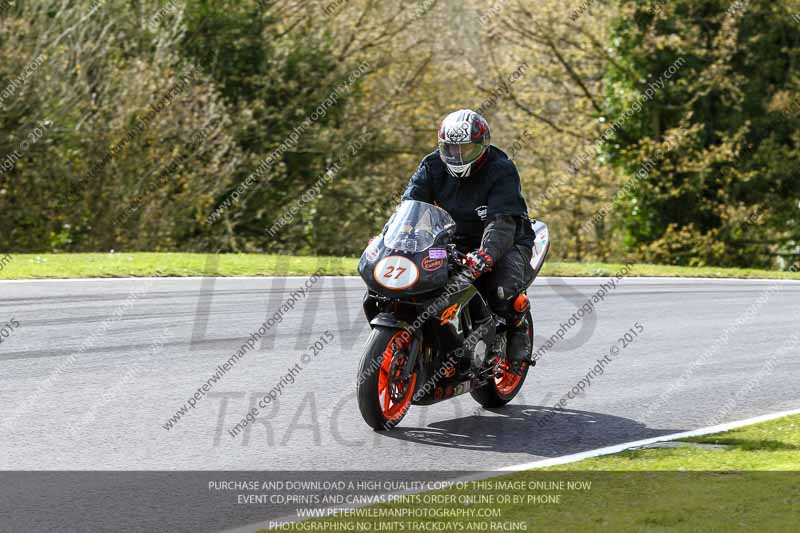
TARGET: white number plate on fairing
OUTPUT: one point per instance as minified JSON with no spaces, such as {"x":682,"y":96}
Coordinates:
{"x":396,"y":272}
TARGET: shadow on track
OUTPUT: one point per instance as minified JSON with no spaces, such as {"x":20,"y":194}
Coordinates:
{"x":536,"y":430}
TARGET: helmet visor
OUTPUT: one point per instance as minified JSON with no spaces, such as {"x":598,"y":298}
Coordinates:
{"x":460,"y":154}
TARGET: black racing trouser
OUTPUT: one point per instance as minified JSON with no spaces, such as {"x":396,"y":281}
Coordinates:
{"x":509,"y":278}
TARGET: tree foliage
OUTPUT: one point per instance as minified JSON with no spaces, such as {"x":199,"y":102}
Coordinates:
{"x":727,"y":193}
{"x":293,"y":126}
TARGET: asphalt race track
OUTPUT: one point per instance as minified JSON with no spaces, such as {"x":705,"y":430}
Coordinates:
{"x":96,"y":368}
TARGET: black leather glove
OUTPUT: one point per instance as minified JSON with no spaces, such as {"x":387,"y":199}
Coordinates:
{"x":479,"y":262}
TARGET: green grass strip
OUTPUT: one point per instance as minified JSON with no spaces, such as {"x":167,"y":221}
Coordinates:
{"x":749,"y":482}
{"x":115,"y":265}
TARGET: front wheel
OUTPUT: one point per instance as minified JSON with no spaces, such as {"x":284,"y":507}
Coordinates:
{"x":383,"y":397}
{"x":506,"y":384}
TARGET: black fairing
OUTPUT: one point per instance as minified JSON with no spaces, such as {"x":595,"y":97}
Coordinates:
{"x":432,"y":270}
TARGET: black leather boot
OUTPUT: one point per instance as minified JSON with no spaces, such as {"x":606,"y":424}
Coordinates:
{"x":519,"y":344}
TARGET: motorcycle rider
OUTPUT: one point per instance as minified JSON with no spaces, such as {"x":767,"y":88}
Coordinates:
{"x":479,"y":186}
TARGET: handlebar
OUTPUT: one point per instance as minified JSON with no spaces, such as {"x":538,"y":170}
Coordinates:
{"x":457,"y":255}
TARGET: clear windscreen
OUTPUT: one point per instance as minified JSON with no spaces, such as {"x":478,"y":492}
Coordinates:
{"x":415,"y":226}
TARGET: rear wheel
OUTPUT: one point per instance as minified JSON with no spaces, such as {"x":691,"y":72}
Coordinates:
{"x":383,"y":396}
{"x":506,"y":384}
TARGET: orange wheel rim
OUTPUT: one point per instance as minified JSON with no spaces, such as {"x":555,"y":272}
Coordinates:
{"x":508,"y":380}
{"x":394,"y":393}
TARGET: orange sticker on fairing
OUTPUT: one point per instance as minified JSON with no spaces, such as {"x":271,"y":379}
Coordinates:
{"x":432,"y":265}
{"x":449,"y":314}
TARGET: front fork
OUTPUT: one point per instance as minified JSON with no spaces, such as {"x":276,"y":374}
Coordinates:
{"x":411,"y":360}
{"x":389,"y":320}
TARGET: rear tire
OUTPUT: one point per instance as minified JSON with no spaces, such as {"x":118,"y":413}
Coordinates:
{"x":383,"y":399}
{"x":501,"y":390}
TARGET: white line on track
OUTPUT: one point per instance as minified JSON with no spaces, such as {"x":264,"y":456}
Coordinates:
{"x":555,"y":461}
{"x":575,"y":457}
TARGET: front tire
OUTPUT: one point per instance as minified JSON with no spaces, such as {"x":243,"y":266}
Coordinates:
{"x":383,"y":398}
{"x":506,"y":384}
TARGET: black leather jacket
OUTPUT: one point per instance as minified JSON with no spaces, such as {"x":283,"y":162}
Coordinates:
{"x":487,"y":207}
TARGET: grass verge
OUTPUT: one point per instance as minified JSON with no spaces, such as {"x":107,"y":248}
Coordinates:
{"x":749,"y":481}
{"x":108,"y":265}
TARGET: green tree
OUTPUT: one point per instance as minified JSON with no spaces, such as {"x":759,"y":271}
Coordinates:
{"x":727,"y":192}
{"x":119,"y":164}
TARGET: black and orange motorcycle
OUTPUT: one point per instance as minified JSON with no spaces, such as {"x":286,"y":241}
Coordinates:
{"x":433,"y":335}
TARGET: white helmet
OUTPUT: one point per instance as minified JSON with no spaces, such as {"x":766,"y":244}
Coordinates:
{"x":464,"y":140}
